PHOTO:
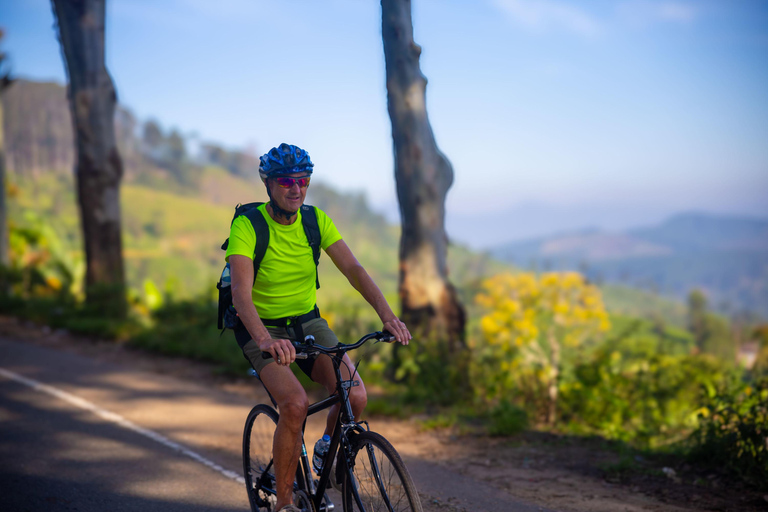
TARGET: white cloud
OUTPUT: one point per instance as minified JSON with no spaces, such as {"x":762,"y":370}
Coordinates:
{"x":187,"y":12}
{"x":549,"y":14}
{"x":643,"y":13}
{"x":676,"y":12}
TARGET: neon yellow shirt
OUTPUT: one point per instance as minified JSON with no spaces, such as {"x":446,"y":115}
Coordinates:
{"x":285,"y":284}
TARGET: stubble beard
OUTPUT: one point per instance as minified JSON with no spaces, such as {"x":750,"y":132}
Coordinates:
{"x":277,"y":210}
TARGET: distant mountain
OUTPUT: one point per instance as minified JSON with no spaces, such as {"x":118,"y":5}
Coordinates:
{"x":585,"y":246}
{"x":693,"y":232}
{"x":532,"y":219}
{"x":727,"y":257}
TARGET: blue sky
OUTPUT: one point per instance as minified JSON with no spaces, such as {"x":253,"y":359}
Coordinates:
{"x":555,"y":114}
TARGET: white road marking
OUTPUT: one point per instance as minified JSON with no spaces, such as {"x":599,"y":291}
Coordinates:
{"x":116,"y":418}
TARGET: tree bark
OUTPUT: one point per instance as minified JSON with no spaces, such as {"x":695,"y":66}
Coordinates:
{"x":98,"y":168}
{"x":4,"y":243}
{"x":430,"y":305}
{"x":5,"y":256}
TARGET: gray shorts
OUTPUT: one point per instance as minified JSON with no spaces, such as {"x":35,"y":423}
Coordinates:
{"x":316,"y":327}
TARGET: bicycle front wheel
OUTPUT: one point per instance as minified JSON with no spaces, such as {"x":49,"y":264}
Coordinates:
{"x":378,"y":480}
{"x":258,"y":471}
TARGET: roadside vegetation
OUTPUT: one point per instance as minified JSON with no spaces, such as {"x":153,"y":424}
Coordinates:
{"x":547,"y":350}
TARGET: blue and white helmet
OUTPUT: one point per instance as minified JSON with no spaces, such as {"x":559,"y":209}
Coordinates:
{"x":285,"y":159}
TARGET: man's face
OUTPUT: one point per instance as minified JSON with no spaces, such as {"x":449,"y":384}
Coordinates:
{"x":287,"y":191}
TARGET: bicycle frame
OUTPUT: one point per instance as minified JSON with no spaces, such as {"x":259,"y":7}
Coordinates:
{"x":344,"y":423}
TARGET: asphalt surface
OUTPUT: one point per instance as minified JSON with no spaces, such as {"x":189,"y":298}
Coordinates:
{"x":78,"y":433}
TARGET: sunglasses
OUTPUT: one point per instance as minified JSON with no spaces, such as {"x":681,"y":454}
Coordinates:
{"x":285,"y":182}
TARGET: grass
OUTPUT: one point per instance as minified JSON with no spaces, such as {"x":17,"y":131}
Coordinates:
{"x":174,"y":238}
{"x":631,"y":302}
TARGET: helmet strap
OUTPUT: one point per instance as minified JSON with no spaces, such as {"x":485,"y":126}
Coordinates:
{"x":279,"y":212}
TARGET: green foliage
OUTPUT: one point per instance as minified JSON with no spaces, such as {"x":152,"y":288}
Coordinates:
{"x":39,"y":264}
{"x":531,"y":323}
{"x":67,"y":312}
{"x":187,"y":328}
{"x":506,"y":419}
{"x":427,"y":374}
{"x":638,"y":387}
{"x":711,"y":332}
{"x":733,"y":433}
{"x":439,"y":421}
{"x":153,"y":297}
{"x":633,"y":302}
{"x":389,"y":404}
{"x":42,"y":284}
{"x":760,"y":334}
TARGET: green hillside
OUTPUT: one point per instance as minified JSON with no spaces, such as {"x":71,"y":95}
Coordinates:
{"x":174,"y":239}
{"x":631,"y":302}
{"x":177,"y":207}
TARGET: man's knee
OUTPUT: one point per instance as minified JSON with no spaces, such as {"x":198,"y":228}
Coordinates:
{"x":358,"y":398}
{"x":294,"y":409}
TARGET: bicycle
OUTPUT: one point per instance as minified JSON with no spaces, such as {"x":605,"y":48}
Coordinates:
{"x":371,"y":474}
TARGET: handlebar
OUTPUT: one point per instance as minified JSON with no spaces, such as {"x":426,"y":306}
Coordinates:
{"x":305,"y":350}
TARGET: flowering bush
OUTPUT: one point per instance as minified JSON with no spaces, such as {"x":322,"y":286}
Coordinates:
{"x":530,"y":321}
{"x":734,"y":431}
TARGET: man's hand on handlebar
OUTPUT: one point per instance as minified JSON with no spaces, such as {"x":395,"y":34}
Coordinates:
{"x":281,"y":350}
{"x":399,"y":330}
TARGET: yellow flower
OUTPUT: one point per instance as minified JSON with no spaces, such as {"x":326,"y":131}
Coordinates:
{"x":53,"y":282}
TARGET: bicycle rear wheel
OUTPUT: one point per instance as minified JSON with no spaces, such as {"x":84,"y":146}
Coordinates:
{"x":379,"y":481}
{"x":258,"y":471}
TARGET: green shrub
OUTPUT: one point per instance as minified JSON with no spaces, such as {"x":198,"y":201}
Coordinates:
{"x":388,"y":405}
{"x":506,"y":419}
{"x":734,"y":432}
{"x":638,"y":388}
{"x":428,"y":375}
{"x":187,"y":328}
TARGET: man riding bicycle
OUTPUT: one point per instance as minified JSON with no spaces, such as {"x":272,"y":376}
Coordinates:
{"x":279,"y":305}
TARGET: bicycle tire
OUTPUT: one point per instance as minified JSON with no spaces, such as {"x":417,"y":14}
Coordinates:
{"x":258,"y":437}
{"x":379,"y":478}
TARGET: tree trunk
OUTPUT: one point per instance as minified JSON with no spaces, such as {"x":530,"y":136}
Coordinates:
{"x":98,"y":169}
{"x":430,"y":305}
{"x":5,"y":256}
{"x":4,"y":244}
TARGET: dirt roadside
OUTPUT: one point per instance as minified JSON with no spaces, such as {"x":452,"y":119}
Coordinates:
{"x":555,"y":472}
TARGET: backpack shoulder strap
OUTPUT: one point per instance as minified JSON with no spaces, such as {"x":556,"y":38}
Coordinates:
{"x":312,"y":230}
{"x":261,"y":229}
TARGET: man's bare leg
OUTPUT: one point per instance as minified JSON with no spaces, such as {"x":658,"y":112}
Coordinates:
{"x":292,"y":404}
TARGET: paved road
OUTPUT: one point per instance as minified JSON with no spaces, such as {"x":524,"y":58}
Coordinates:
{"x":80,"y":434}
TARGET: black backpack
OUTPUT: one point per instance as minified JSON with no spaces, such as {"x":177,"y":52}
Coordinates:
{"x":227,"y":314}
